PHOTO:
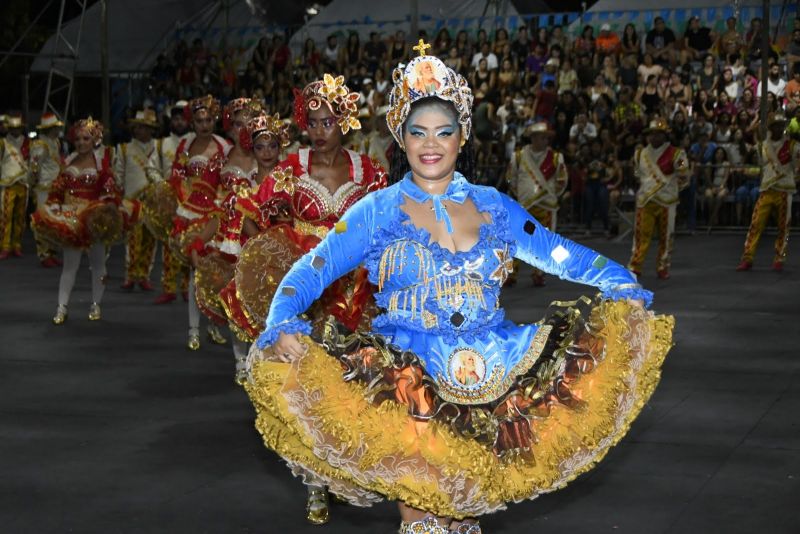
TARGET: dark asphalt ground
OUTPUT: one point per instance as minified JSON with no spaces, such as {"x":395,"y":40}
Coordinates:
{"x":114,"y":426}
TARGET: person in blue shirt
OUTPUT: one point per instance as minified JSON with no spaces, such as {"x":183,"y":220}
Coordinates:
{"x":445,"y":406}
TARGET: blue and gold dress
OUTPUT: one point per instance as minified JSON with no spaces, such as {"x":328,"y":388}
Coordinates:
{"x":446,"y":405}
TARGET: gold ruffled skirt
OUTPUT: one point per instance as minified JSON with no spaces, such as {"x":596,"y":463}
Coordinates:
{"x":366,"y":419}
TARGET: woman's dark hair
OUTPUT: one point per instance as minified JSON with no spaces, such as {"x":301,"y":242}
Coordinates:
{"x":465,"y":164}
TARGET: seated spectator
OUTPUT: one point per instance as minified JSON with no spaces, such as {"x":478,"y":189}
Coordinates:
{"x":585,"y":43}
{"x":442,"y":43}
{"x":679,"y":127}
{"x":582,"y":131}
{"x":534,"y":63}
{"x":792,"y":92}
{"x":724,"y":105}
{"x":485,"y":53}
{"x":748,"y":103}
{"x":630,"y":45}
{"x":703,"y":104}
{"x":706,"y":78}
{"x":649,"y":97}
{"x":311,"y":57}
{"x":585,"y":71}
{"x":723,"y":131}
{"x":375,"y":51}
{"x":699,"y":127}
{"x":352,"y":53}
{"x":697,"y":41}
{"x":607,"y":43}
{"x":599,"y":88}
{"x":648,"y":68}
{"x":281,"y":54}
{"x":332,"y":54}
{"x":453,"y":60}
{"x":628,"y":75}
{"x":730,"y":42}
{"x":602,"y":112}
{"x":729,"y":84}
{"x":775,"y":84}
{"x":398,"y":51}
{"x":680,"y":91}
{"x":484,"y":75}
{"x":521,"y":46}
{"x":261,"y":55}
{"x":792,"y":52}
{"x":500,"y":42}
{"x":610,"y":72}
{"x":627,"y":114}
{"x":558,"y":39}
{"x":507,"y":78}
{"x":544,"y":106}
{"x":660,"y":43}
{"x":567,"y":77}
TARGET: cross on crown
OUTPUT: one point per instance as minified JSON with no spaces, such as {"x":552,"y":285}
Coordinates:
{"x":421,"y":47}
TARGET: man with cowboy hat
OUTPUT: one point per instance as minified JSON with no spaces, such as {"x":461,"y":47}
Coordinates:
{"x":46,"y":160}
{"x":537,"y":176}
{"x":168,"y":147}
{"x":662,"y":170}
{"x":14,"y":179}
{"x":779,"y":159}
{"x":136,"y":166}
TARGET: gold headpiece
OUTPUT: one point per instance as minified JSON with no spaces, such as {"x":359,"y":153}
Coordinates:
{"x":269,"y":125}
{"x":208,"y":102}
{"x":95,"y":128}
{"x":250,"y":106}
{"x":426,"y":76}
{"x":334,"y":94}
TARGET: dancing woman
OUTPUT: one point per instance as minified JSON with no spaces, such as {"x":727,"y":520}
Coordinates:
{"x":296,"y":207}
{"x":196,"y":190}
{"x":445,"y":406}
{"x":265,"y":135}
{"x":82,"y":213}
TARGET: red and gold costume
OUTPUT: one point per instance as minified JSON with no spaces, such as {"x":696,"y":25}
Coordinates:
{"x":195,"y":180}
{"x":83,"y":206}
{"x":779,"y":161}
{"x":538,"y":179}
{"x":14,"y":183}
{"x":313,"y":211}
{"x":661,"y":172}
{"x":215,"y":270}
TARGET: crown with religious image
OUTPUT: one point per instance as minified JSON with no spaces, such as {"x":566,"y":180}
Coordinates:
{"x":423,"y":77}
{"x":333,"y":93}
{"x":93,"y":127}
{"x":264,"y":125}
{"x":250,"y":106}
{"x":207,"y":102}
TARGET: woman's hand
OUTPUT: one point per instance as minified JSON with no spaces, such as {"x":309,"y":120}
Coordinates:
{"x":289,"y":348}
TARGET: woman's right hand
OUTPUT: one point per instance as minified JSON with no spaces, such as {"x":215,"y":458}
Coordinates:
{"x":289,"y":348}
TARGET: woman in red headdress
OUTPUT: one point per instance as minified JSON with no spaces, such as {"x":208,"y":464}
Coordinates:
{"x":195,"y":184}
{"x":84,"y":211}
{"x":294,"y":208}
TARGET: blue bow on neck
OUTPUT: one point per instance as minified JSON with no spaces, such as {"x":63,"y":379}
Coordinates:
{"x":457,"y":191}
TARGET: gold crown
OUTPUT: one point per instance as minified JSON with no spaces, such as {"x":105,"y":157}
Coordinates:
{"x":333,"y":93}
{"x":269,"y":125}
{"x":427,"y":76}
{"x":95,"y":128}
{"x":207,"y":102}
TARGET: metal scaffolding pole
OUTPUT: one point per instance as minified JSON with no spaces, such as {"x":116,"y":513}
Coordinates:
{"x":64,"y":60}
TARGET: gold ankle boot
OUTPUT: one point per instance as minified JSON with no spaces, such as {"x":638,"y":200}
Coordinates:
{"x":215,"y":336}
{"x":194,"y":342}
{"x":94,"y":312}
{"x":317,"y":507}
{"x":61,"y":315}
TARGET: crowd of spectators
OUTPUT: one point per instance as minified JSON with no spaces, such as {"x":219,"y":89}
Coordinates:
{"x":597,"y":90}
